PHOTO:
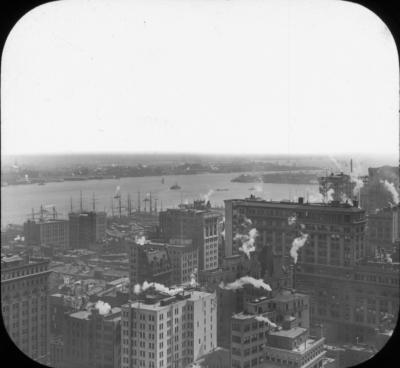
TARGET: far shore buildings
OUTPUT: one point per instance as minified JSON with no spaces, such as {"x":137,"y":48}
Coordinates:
{"x":25,"y":304}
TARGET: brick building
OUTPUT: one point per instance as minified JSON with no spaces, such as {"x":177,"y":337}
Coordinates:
{"x":199,"y":223}
{"x":92,"y":338}
{"x":25,"y":304}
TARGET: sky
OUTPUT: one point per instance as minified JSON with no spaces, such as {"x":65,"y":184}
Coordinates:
{"x":201,"y":76}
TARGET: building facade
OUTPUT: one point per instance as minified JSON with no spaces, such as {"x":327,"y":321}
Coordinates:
{"x":272,"y":332}
{"x":148,"y":262}
{"x":198,"y":223}
{"x":339,"y":185}
{"x":25,"y":304}
{"x":184,"y":260}
{"x":92,"y":339}
{"x":383,"y":228}
{"x":86,"y":228}
{"x":330,"y":264}
{"x":52,"y":232}
{"x":168,"y":331}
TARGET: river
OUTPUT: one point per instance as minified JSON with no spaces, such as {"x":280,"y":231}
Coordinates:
{"x":18,"y":201}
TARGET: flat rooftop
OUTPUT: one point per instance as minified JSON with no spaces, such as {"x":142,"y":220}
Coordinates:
{"x":158,"y":305}
{"x":84,"y":314}
{"x":332,"y":206}
{"x":292,"y":333}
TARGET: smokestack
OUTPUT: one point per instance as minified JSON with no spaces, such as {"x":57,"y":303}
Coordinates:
{"x":293,"y":276}
{"x":355,"y":203}
{"x":351,"y":165}
{"x":301,"y":200}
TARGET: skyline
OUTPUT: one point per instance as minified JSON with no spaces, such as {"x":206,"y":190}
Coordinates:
{"x":215,"y":88}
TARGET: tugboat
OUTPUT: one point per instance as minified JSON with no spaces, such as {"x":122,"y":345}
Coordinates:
{"x":175,"y":187}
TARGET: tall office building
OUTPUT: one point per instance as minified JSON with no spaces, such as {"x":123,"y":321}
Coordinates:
{"x":161,"y":330}
{"x":52,"y":232}
{"x":336,"y":231}
{"x":340,"y":185}
{"x":86,"y":228}
{"x":92,"y":338}
{"x":199,"y":223}
{"x":25,"y":304}
{"x":346,"y":290}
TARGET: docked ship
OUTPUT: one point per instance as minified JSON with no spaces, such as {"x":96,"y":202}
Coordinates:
{"x":175,"y":187}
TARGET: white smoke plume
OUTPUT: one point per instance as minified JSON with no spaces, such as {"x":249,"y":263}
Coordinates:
{"x":193,"y":281}
{"x":223,"y":233}
{"x":258,"y":188}
{"x":247,"y":221}
{"x":208,"y":195}
{"x":344,"y":198}
{"x":329,"y":194}
{"x":296,"y":245}
{"x":336,"y":163}
{"x":247,"y":241}
{"x":103,"y":308}
{"x":359,"y":184}
{"x":140,"y":240}
{"x":388,"y":258}
{"x":266,"y":320}
{"x":392,"y":190}
{"x":316,"y":198}
{"x":159,"y":287}
{"x":292,"y":220}
{"x":246,"y":280}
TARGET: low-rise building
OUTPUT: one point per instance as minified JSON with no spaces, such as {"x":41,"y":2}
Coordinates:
{"x":51,"y":232}
{"x":92,"y":338}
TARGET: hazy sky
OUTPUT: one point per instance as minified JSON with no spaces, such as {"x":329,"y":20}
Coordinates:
{"x":242,"y":76}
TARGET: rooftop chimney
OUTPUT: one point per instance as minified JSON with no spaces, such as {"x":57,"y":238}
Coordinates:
{"x":301,"y":200}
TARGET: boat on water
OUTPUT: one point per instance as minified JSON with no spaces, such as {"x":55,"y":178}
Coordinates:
{"x":41,"y":183}
{"x":222,"y":189}
{"x":252,"y":188}
{"x":175,"y":187}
